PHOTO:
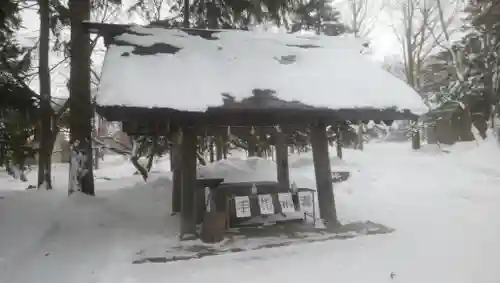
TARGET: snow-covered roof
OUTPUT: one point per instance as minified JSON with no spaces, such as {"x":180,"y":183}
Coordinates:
{"x":153,"y":67}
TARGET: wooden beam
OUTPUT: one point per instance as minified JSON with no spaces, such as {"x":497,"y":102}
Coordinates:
{"x":188,"y":219}
{"x":323,"y":174}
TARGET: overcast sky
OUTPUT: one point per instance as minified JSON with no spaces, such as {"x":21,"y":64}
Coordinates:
{"x":377,"y":28}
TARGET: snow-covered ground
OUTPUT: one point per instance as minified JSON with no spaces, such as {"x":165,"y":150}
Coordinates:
{"x":444,"y":207}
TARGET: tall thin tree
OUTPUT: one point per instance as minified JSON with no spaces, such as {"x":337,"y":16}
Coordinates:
{"x":81,"y":114}
{"x":45,"y":152}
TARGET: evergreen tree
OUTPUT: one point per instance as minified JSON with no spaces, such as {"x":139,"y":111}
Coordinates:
{"x":319,"y":16}
{"x":17,"y":101}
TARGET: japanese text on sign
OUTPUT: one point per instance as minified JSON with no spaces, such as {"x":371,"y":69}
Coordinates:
{"x":305,"y":200}
{"x":266,"y":204}
{"x":286,"y":202}
{"x":242,"y":206}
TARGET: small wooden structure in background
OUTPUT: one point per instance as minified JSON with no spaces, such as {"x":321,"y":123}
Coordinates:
{"x":262,"y":108}
{"x":443,"y":123}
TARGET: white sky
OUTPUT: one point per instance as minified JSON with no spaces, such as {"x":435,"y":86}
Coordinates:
{"x":381,"y":35}
{"x":385,"y":16}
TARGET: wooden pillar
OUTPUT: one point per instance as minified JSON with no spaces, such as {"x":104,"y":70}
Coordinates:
{"x":282,"y":160}
{"x":322,"y":170}
{"x":188,"y":149}
{"x":176,"y":168}
{"x":415,"y":139}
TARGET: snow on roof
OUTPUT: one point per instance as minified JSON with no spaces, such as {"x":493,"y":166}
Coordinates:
{"x":168,"y":68}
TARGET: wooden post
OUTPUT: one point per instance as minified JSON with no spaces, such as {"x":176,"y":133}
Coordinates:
{"x":176,"y":168}
{"x":189,"y":148}
{"x":415,"y":139}
{"x":323,"y":174}
{"x":282,"y":159}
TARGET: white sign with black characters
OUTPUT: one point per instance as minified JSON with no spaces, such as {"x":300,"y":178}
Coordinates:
{"x":306,"y":200}
{"x":266,"y":204}
{"x":286,"y":202}
{"x":242,"y":206}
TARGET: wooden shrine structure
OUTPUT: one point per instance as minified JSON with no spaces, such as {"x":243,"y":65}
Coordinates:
{"x":261,"y":109}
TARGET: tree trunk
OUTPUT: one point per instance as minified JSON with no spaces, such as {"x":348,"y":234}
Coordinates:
{"x":252,"y":145}
{"x":219,"y":147}
{"x":81,"y":112}
{"x":359,"y":136}
{"x":211,"y":149}
{"x":212,"y":14}
{"x":136,"y":150}
{"x":151,"y":155}
{"x":465,"y":130}
{"x":186,"y":14}
{"x":415,"y":140}
{"x":338,"y":133}
{"x":320,"y":6}
{"x":225,"y":143}
{"x":44,"y":152}
{"x":135,"y":161}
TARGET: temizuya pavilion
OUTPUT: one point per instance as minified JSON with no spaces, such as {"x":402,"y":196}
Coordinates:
{"x":157,"y":80}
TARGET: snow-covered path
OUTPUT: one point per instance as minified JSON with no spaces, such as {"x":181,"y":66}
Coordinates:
{"x":444,"y":208}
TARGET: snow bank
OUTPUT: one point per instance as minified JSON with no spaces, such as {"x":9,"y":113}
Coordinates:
{"x":25,"y":217}
{"x":51,"y":237}
{"x":443,"y":207}
{"x":319,"y":71}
